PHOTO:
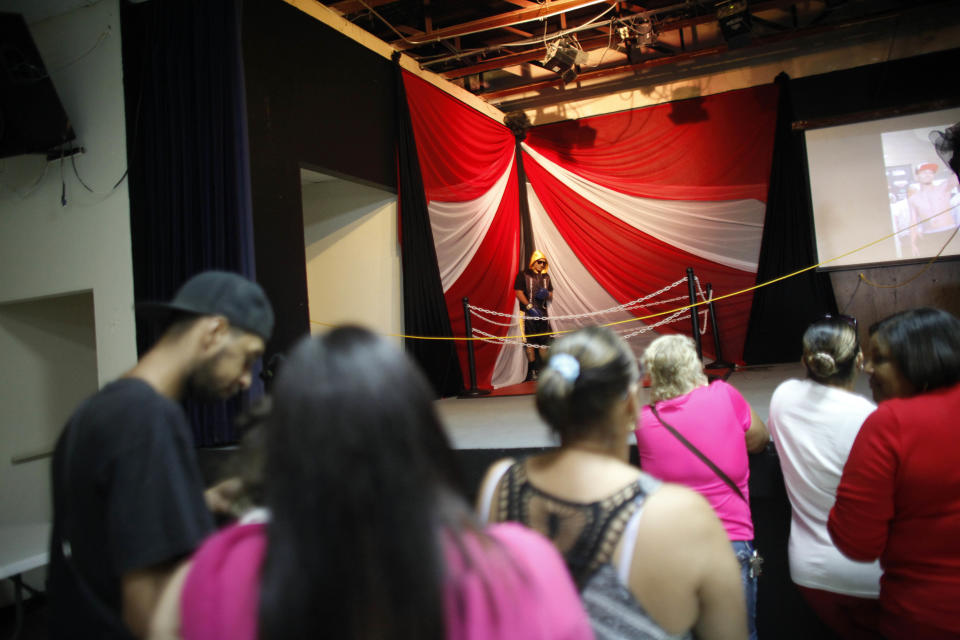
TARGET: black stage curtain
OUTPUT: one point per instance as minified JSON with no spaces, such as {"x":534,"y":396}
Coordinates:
{"x":424,"y":308}
{"x":527,"y":241}
{"x":781,"y":312}
{"x":188,"y":161}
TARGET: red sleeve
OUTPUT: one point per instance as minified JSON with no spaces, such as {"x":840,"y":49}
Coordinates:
{"x":860,"y":519}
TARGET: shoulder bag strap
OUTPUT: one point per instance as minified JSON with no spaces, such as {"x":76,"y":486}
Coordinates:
{"x":707,"y":461}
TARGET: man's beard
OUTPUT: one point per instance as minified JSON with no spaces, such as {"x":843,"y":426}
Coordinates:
{"x":202,"y":385}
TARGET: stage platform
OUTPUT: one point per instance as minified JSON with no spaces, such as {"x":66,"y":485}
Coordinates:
{"x":509,"y":419}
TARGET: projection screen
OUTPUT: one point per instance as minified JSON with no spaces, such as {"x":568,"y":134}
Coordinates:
{"x":882,"y":184}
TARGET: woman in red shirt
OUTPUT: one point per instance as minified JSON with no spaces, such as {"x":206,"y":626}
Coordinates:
{"x":899,"y":496}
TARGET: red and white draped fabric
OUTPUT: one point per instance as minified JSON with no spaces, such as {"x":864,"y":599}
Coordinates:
{"x":634,"y":198}
{"x":470,"y":182}
{"x":620,"y":204}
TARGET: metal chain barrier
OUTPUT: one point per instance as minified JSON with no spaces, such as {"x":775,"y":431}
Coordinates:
{"x":482,"y":314}
{"x":485,"y":315}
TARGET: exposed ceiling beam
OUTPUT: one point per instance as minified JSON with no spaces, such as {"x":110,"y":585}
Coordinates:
{"x":590,"y":43}
{"x":409,"y":31}
{"x":500,"y":62}
{"x":517,"y":32}
{"x":603,"y":73}
{"x":348,"y":7}
{"x":510,"y":18}
{"x":626,"y":69}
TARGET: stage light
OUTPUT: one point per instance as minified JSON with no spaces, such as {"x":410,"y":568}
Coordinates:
{"x":563,"y":56}
{"x":646,"y":35}
{"x":734,"y":20}
{"x":634,"y":36}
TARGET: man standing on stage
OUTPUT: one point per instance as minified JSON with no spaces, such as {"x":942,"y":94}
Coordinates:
{"x":932,"y":203}
{"x":534,"y":290}
{"x":128,"y":497}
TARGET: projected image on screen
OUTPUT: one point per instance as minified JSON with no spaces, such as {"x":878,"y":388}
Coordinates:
{"x":880,"y":192}
{"x":924,"y":195}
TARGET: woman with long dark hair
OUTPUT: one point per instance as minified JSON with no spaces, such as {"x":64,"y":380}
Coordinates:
{"x":369,"y":534}
{"x":899,"y":496}
{"x":651,"y":559}
{"x":813,"y":423}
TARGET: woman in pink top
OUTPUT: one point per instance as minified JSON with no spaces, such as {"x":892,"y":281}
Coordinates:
{"x":718,"y":422}
{"x":368,"y":533}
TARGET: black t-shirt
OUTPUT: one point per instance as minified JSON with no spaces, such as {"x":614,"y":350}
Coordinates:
{"x":529,"y":281}
{"x":127,"y":495}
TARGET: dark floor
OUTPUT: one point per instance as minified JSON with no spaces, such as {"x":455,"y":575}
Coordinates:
{"x":34,"y":620}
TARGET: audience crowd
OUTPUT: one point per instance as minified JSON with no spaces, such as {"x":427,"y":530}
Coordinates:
{"x":346,"y":515}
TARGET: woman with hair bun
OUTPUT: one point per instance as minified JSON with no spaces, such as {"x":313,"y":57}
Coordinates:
{"x":899,"y":496}
{"x":685,"y":411}
{"x":651,"y":559}
{"x":813,"y":423}
{"x":369,"y":535}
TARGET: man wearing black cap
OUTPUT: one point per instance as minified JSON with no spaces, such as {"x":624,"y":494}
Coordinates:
{"x":128,"y":496}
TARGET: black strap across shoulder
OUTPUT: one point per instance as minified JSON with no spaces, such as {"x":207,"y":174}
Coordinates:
{"x":707,"y":461}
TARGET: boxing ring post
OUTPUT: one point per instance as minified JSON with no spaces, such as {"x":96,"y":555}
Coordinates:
{"x":473,"y":391}
{"x":718,"y":362}
{"x":691,"y":290}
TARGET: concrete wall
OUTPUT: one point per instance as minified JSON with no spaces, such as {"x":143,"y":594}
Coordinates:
{"x":66,"y":301}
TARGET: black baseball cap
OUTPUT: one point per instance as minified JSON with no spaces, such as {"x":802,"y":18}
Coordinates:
{"x":220,"y":293}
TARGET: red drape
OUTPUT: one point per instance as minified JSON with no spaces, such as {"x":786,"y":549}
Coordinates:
{"x":630,"y":264}
{"x":713,"y":148}
{"x":462,"y":153}
{"x":716,"y":148}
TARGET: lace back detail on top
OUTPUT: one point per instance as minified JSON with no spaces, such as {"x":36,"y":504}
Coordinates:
{"x":586,"y":534}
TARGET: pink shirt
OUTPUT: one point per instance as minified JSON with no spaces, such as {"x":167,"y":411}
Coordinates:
{"x":714,"y":419}
{"x":515,"y":588}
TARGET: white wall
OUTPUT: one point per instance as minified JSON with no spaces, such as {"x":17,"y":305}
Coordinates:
{"x":353,"y":257}
{"x":49,"y":366}
{"x":47,"y":250}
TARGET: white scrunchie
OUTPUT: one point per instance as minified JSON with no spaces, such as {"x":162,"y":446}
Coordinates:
{"x":566,"y":365}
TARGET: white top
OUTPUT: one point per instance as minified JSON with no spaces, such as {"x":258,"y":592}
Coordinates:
{"x":813,"y":427}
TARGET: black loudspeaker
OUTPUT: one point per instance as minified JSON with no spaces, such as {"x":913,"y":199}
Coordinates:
{"x":32,"y":120}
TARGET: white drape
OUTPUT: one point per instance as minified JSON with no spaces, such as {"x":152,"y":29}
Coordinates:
{"x":460,"y":227}
{"x":725,"y":232}
{"x":575,"y":292}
